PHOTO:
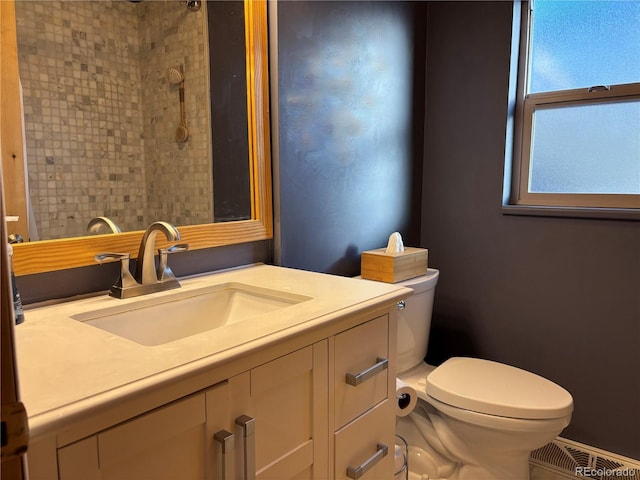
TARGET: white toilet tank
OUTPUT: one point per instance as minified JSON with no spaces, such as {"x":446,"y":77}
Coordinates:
{"x":414,"y":321}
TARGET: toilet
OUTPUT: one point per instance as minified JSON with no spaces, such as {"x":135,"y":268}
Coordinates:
{"x":474,"y":419}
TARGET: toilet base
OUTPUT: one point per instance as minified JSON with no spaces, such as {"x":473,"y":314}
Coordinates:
{"x":430,"y":460}
{"x":424,"y":462}
{"x":422,"y":466}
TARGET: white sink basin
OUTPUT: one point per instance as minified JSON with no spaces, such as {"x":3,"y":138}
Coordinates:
{"x":179,"y":314}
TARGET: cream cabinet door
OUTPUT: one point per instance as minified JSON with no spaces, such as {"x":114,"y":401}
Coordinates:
{"x":168,"y":443}
{"x":290,"y":430}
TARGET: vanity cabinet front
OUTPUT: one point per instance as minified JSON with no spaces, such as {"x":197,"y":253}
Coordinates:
{"x":303,"y":392}
{"x":255,"y":425}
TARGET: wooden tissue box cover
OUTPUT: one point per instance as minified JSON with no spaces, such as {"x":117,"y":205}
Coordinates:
{"x":393,"y":267}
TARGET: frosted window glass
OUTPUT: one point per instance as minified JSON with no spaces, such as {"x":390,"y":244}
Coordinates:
{"x":578,"y":44}
{"x":586,"y":149}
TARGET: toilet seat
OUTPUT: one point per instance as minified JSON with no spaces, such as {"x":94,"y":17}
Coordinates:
{"x":499,"y":422}
{"x":497,"y":389}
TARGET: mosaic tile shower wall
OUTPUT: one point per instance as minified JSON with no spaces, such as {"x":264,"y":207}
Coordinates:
{"x":178,"y":175}
{"x":100,"y":115}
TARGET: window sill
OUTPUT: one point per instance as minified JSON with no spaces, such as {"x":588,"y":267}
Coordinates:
{"x":573,"y":212}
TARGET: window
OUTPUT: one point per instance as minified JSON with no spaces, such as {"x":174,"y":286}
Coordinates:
{"x":577,"y":132}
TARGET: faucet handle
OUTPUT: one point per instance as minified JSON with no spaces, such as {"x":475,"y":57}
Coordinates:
{"x":178,"y":247}
{"x":163,"y":271}
{"x":111,"y":257}
{"x":125,"y":280}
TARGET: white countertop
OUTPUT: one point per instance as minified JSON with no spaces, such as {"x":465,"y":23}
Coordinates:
{"x":65,"y":365}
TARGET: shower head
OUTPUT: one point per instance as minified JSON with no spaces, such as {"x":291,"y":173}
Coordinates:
{"x":175,"y":76}
{"x":194,"y":5}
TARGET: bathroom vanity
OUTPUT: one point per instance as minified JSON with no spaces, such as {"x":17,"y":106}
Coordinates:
{"x":259,"y":372}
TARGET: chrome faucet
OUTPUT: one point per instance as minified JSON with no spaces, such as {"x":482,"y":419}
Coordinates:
{"x":146,"y":265}
{"x":147,"y":277}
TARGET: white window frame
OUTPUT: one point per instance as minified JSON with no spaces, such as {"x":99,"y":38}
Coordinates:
{"x":527,"y":105}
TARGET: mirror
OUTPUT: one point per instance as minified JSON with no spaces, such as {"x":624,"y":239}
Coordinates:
{"x":34,"y":257}
{"x":117,"y":100}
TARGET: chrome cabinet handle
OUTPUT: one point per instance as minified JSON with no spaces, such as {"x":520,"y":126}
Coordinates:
{"x":248,"y":425}
{"x":225,"y":439}
{"x":359,"y":471}
{"x":358,"y":378}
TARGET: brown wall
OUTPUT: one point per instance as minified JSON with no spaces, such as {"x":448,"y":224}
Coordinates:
{"x":557,"y":296}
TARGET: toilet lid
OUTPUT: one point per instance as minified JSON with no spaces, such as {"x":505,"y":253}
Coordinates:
{"x":496,"y":389}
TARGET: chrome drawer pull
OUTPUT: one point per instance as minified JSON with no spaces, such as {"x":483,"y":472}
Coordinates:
{"x":248,"y":425}
{"x":357,"y":472}
{"x":358,"y":378}
{"x":225,"y":439}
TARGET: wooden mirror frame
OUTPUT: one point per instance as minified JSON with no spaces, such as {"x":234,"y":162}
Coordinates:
{"x":50,"y":255}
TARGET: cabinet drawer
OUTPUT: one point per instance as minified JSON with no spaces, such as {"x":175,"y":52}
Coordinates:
{"x":360,"y":446}
{"x":361,"y":354}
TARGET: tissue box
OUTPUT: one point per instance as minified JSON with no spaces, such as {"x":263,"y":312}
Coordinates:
{"x":393,"y":267}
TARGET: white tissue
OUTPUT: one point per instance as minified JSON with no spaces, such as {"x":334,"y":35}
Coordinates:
{"x":406,"y":399}
{"x":395,"y":244}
